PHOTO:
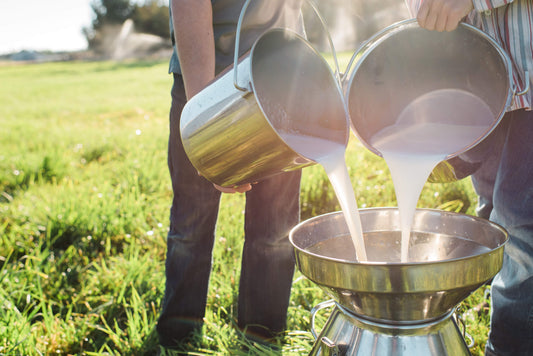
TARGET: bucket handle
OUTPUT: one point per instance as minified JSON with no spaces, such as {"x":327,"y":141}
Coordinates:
{"x":238,"y":39}
{"x":363,"y":48}
{"x":319,"y":306}
{"x":526,"y":86}
{"x":466,"y":336}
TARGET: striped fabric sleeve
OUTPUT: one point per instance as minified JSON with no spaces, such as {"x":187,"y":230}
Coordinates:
{"x":487,"y":5}
{"x":413,"y":6}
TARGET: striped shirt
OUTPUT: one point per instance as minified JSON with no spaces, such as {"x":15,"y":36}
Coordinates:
{"x":510,"y":23}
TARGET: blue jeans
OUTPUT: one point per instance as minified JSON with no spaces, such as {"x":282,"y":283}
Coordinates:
{"x":267,"y":267}
{"x":505,"y":187}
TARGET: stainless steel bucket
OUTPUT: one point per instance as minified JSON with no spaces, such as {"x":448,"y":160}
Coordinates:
{"x":405,"y":61}
{"x":384,"y":304}
{"x":231,"y":129}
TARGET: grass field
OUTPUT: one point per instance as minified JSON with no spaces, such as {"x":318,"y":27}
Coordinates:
{"x":84,"y":202}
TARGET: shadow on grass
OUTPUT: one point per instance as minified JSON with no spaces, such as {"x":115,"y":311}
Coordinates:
{"x":201,"y":344}
{"x":133,"y":64}
{"x":48,"y":170}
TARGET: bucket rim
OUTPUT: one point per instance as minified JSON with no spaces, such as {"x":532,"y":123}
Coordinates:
{"x":413,"y":264}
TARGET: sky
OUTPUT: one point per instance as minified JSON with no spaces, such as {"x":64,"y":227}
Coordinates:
{"x":54,"y":25}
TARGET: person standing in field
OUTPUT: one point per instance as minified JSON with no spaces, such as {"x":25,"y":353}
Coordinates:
{"x":505,"y":181}
{"x":203,"y":34}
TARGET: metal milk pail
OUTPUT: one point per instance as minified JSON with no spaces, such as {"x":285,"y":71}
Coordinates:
{"x":231,"y":129}
{"x":405,"y":61}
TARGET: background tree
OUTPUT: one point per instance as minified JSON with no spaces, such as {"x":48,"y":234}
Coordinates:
{"x":108,"y":15}
{"x":152,"y":17}
{"x":111,"y":12}
{"x":149,"y":16}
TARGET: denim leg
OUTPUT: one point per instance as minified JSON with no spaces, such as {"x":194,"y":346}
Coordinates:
{"x":512,"y":288}
{"x":272,"y":210}
{"x":484,"y":178}
{"x":190,"y":240}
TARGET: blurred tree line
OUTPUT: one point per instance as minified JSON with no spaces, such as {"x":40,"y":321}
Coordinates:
{"x":149,"y":16}
{"x":350,"y":22}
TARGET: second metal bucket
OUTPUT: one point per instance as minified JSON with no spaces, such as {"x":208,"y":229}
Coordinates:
{"x":404,"y":61}
{"x":232,"y":130}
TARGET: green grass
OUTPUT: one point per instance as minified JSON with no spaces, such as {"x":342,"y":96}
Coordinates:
{"x":84,"y":202}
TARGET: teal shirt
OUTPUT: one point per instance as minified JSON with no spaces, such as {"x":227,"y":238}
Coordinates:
{"x":260,"y":16}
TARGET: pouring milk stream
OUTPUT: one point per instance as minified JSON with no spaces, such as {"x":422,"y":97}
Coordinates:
{"x":330,"y":155}
{"x":430,"y":128}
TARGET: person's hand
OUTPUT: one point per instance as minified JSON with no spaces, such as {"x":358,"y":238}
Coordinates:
{"x":443,"y":15}
{"x":239,"y":189}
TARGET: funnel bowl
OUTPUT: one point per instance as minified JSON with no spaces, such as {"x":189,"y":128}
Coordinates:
{"x":450,"y":256}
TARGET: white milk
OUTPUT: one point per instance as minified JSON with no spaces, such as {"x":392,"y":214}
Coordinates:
{"x":331,"y":156}
{"x":429,"y":129}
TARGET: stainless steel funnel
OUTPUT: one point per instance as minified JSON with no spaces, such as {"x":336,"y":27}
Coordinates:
{"x":450,"y":256}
